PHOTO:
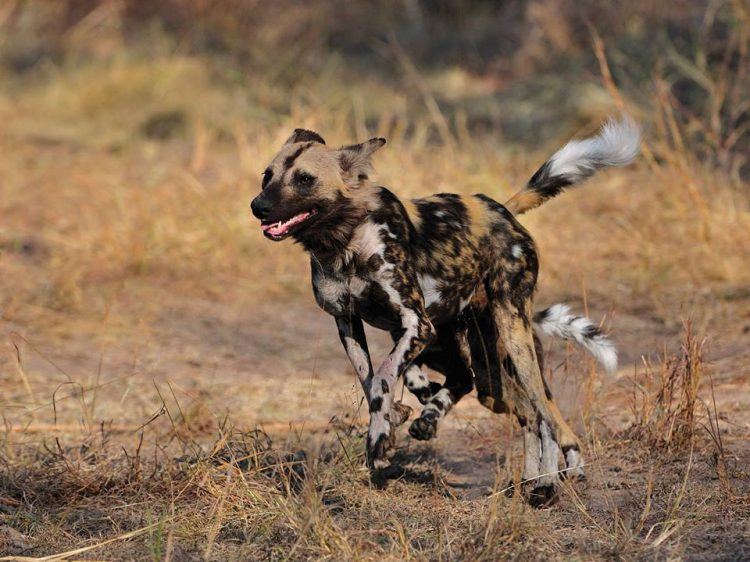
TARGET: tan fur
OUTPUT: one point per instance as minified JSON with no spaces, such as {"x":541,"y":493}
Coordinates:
{"x":478,"y":216}
{"x":523,"y":201}
{"x":411,"y":211}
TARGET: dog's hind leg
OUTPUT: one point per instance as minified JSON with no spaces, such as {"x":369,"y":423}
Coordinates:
{"x":490,"y":388}
{"x":486,"y":365}
{"x":546,"y":434}
{"x":528,"y":402}
{"x":419,"y":385}
{"x":452,"y":358}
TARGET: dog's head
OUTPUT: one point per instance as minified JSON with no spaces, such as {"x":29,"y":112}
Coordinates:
{"x":310,"y":190}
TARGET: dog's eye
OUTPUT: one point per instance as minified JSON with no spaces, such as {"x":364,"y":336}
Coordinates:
{"x":303,"y":179}
{"x":267,"y":175}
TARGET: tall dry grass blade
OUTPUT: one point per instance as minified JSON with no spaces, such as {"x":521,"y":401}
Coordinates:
{"x":438,"y":118}
{"x":24,"y":379}
{"x":666,"y":416}
{"x":216,"y":517}
{"x":719,"y":455}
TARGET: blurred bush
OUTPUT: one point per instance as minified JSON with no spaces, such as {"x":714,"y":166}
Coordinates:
{"x":507,"y":65}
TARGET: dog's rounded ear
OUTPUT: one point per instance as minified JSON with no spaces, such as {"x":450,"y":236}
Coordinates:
{"x":355,"y":161}
{"x":304,"y":135}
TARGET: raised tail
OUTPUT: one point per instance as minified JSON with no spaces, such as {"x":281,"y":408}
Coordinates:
{"x":617,"y":144}
{"x":558,"y":321}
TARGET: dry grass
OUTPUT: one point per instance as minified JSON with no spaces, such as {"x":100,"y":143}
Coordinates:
{"x":142,"y":310}
{"x":171,"y":491}
{"x":665,"y":402}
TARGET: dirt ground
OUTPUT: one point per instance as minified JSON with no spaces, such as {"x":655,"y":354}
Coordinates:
{"x":279,"y":367}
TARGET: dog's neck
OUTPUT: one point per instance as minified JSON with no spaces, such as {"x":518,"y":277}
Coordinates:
{"x":330,"y":245}
{"x":329,"y":240}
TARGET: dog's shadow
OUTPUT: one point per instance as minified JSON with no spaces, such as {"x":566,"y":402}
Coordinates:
{"x":424,"y":465}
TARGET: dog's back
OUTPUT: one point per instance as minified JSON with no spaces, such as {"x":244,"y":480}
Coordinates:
{"x":453,"y":242}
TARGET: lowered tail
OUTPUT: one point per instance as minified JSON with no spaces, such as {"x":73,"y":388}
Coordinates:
{"x":617,"y":144}
{"x":558,"y":321}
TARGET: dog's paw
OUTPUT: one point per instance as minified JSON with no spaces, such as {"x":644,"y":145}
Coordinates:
{"x":376,"y":450}
{"x":538,"y":496}
{"x":543,"y":496}
{"x":575,"y":475}
{"x":423,"y":428}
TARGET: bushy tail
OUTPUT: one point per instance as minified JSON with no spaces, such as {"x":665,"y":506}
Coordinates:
{"x":558,"y":321}
{"x":617,"y":144}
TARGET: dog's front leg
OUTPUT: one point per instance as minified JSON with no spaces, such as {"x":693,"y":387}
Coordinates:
{"x":416,"y":333}
{"x":352,"y":335}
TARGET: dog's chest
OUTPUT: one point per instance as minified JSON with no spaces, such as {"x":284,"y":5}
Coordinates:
{"x":349,"y":291}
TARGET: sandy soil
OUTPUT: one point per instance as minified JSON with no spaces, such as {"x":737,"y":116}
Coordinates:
{"x":280,"y":367}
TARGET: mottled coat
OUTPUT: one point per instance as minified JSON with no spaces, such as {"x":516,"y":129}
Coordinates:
{"x":451,"y":277}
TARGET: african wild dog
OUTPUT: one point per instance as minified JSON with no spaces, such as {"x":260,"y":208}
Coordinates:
{"x":451,"y":278}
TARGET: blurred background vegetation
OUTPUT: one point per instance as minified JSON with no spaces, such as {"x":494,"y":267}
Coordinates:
{"x":141,"y":126}
{"x":523,"y":70}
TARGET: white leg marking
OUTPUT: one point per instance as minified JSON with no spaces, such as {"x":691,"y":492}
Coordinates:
{"x":414,"y":378}
{"x":574,"y":463}
{"x":550,"y":456}
{"x":360,"y":362}
{"x":532,"y":451}
{"x":439,"y":405}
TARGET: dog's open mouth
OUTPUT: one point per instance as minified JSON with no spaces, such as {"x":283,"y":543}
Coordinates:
{"x":279,"y":230}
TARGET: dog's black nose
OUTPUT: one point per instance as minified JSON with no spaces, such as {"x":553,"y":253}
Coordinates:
{"x":261,"y":207}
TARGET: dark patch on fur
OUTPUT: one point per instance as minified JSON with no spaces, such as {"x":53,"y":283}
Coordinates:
{"x":377,"y":449}
{"x":375,"y":262}
{"x":289,"y":160}
{"x":305,"y":135}
{"x":591,"y":332}
{"x":548,"y":186}
{"x":376,"y":404}
{"x":542,"y":315}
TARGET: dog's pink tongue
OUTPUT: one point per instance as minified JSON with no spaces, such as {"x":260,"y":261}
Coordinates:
{"x":281,"y":228}
{"x":278,"y":229}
